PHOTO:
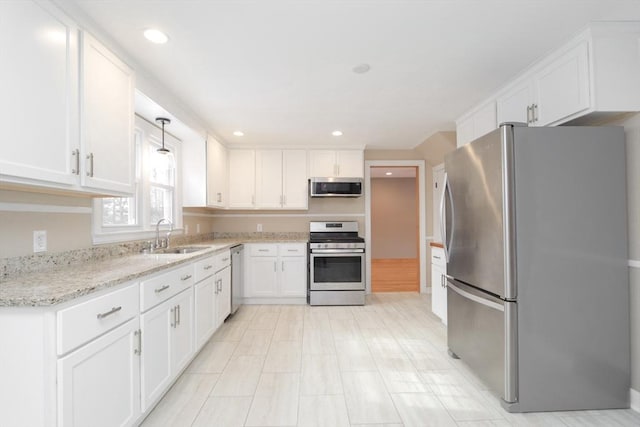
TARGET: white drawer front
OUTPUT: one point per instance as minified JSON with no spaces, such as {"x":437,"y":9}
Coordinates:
{"x":293,"y":249}
{"x":162,"y":287}
{"x":437,"y":256}
{"x":223,"y":259}
{"x":205,"y":268}
{"x":81,"y":323}
{"x":264,"y":249}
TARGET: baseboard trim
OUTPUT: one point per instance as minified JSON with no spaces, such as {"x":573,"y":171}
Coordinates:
{"x":635,"y":400}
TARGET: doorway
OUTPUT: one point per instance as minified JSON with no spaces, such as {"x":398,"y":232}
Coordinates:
{"x":394,"y":222}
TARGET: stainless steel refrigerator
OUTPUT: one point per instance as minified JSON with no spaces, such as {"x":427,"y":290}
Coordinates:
{"x":535,"y":235}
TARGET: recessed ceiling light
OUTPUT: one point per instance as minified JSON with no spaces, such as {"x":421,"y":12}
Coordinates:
{"x":156,"y":36}
{"x":362,"y":68}
{"x":238,"y":133}
{"x":336,"y":133}
{"x":388,"y":173}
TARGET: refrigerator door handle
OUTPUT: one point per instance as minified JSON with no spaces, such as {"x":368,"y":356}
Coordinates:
{"x":443,"y":225}
{"x":451,"y":285}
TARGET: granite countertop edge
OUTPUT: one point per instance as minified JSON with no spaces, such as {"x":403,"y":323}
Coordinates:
{"x":59,"y":285}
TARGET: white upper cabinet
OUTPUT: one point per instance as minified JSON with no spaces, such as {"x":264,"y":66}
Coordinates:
{"x":217,"y":194}
{"x":345,"y":163}
{"x":38,"y":83}
{"x":556,"y":91}
{"x":477,"y":123}
{"x":57,"y":81}
{"x":269,"y":179}
{"x":592,"y":76}
{"x":295,"y":184}
{"x":242,"y":179}
{"x":107,"y":114}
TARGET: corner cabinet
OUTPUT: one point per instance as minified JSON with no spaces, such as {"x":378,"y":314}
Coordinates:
{"x":344,"y":163}
{"x":81,"y":96}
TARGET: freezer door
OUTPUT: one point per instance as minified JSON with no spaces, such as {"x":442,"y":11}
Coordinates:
{"x":482,"y":332}
{"x":475,"y":223}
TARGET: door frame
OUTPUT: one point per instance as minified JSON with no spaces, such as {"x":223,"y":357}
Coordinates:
{"x":422,"y":223}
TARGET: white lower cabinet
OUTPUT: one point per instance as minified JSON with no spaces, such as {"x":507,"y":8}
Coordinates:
{"x":106,"y":360}
{"x":167,"y":345}
{"x":99,"y":384}
{"x":276,"y":272}
{"x":223,"y":295}
{"x":438,"y":286}
{"x":205,"y":310}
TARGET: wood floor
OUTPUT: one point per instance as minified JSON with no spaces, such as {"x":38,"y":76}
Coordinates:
{"x":395,"y":275}
{"x":384,"y":363}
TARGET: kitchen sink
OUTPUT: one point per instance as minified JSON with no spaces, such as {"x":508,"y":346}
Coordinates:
{"x":181,"y":250}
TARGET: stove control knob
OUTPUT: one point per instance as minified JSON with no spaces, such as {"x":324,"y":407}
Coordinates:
{"x":326,"y":245}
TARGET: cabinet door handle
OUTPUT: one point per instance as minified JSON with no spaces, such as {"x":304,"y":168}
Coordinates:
{"x":225,"y":259}
{"x":164,"y":288}
{"x":110,"y":312}
{"x":263,"y":250}
{"x":185,"y":277}
{"x":436,"y":257}
{"x":535,"y":112}
{"x":173,"y":317}
{"x":90,"y":171}
{"x":292,"y":250}
{"x":443,"y":281}
{"x":275,"y":266}
{"x":138,"y":350}
{"x":219,"y":197}
{"x":220,"y":285}
{"x":528,"y":114}
{"x":282,"y":265}
{"x":76,"y":155}
{"x":208,"y":267}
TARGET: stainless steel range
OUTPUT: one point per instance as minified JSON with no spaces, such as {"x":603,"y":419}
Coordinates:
{"x":336,"y":264}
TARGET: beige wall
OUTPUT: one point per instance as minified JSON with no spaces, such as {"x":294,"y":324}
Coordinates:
{"x":320,"y":209}
{"x":394,"y":218}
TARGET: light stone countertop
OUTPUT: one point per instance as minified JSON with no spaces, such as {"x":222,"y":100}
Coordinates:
{"x":62,"y":284}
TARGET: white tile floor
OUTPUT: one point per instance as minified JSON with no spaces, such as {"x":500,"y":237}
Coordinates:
{"x":384,"y":364}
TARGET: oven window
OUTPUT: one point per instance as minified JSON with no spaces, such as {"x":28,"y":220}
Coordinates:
{"x":337,"y":269}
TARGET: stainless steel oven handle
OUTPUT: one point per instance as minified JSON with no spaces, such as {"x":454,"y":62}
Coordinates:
{"x":337,"y":251}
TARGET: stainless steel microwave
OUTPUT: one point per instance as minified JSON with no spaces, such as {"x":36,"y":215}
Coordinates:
{"x":335,"y":187}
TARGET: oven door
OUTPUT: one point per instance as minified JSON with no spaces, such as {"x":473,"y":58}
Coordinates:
{"x":336,"y":270}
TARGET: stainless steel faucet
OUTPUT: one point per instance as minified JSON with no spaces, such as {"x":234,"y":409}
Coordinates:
{"x":158,"y":243}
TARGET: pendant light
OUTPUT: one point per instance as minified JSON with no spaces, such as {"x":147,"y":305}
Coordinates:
{"x":163,"y":121}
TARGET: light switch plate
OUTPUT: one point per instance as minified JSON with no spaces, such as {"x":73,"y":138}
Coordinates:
{"x":39,"y":241}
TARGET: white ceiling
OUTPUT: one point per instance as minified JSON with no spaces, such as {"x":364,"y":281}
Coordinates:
{"x":281,"y":71}
{"x":396,"y":172}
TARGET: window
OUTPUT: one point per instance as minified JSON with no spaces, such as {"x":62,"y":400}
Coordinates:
{"x":156,"y":195}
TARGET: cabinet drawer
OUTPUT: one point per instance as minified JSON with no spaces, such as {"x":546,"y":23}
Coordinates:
{"x":266,"y":249}
{"x":223,"y":259}
{"x":437,"y":256}
{"x":205,"y":268}
{"x":293,"y":249}
{"x":83,"y":322}
{"x":162,"y":287}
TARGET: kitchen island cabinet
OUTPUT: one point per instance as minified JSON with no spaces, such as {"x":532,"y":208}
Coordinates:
{"x":438,"y":287}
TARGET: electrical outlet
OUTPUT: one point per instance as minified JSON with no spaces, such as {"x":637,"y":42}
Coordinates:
{"x":197,"y":228}
{"x":39,"y":240}
{"x":186,"y":229}
{"x":259,"y":227}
